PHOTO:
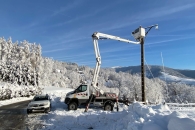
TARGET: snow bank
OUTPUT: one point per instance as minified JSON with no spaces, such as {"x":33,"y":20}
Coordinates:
{"x":177,"y":123}
{"x":12,"y":93}
{"x":160,"y":118}
{"x":14,"y":100}
{"x":134,"y":117}
{"x":22,"y":93}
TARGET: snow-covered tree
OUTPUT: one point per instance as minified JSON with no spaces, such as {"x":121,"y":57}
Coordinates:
{"x":22,"y":65}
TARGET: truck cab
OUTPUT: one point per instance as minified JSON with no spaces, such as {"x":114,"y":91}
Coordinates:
{"x":77,"y":97}
{"x":83,"y":94}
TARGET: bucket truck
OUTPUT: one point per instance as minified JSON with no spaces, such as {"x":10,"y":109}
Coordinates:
{"x":92,"y":94}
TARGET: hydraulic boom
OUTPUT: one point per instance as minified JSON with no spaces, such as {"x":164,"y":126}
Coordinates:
{"x":99,"y":36}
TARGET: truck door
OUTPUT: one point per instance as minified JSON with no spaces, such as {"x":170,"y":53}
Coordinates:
{"x":82,"y":92}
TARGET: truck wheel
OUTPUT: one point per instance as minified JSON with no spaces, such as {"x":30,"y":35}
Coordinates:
{"x":28,"y":111}
{"x":72,"y":106}
{"x":108,"y":107}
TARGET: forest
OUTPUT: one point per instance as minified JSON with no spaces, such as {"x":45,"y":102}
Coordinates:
{"x":24,"y":72}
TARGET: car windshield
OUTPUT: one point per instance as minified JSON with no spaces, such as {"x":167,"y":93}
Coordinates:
{"x":40,"y":98}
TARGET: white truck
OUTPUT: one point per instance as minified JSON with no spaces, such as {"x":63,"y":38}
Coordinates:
{"x":90,"y":94}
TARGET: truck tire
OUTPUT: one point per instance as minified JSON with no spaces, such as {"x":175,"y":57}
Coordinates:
{"x":72,"y":106}
{"x":108,"y":107}
{"x":29,"y":111}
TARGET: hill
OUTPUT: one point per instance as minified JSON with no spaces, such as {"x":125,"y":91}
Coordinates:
{"x":156,"y":71}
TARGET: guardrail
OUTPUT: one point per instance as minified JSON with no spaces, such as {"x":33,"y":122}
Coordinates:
{"x":181,"y":104}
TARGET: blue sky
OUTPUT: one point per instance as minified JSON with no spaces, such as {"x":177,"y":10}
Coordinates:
{"x":64,"y":29}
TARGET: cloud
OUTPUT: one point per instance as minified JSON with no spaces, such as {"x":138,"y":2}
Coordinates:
{"x":168,"y":10}
{"x":165,"y":35}
{"x":66,"y":8}
{"x":54,"y":50}
{"x":67,"y":41}
{"x":158,"y":12}
{"x":170,"y":40}
{"x":80,"y":17}
{"x":189,"y":26}
{"x":68,"y":47}
{"x":76,"y":56}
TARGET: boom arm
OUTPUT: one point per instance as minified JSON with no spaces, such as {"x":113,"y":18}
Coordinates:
{"x":96,"y":36}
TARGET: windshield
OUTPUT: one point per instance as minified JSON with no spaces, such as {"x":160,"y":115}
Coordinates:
{"x":40,"y":98}
{"x":81,"y":88}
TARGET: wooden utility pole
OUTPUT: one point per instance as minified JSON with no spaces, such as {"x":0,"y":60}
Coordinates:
{"x":142,"y":71}
{"x":139,"y":34}
{"x":0,"y":50}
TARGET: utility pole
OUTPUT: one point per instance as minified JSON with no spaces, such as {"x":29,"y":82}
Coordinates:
{"x":142,"y":71}
{"x":140,"y":34}
{"x":0,"y":50}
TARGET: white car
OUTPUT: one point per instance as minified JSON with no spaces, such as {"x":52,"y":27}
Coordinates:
{"x":40,"y":102}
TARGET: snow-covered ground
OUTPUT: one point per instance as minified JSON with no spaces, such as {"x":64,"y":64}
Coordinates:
{"x":133,"y":117}
{"x":16,"y":92}
{"x":14,"y":100}
{"x":176,"y":79}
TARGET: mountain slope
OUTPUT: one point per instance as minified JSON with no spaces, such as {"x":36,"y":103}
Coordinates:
{"x":156,"y":71}
{"x":187,"y":73}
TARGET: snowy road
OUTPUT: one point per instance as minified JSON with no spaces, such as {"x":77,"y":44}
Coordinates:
{"x":13,"y":116}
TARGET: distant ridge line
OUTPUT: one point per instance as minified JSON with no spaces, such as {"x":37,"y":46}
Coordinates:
{"x":156,"y":69}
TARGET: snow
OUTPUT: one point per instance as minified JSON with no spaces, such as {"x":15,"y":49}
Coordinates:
{"x":15,"y":88}
{"x":16,"y":92}
{"x":56,"y":90}
{"x":114,"y":67}
{"x":176,"y":123}
{"x":176,"y":79}
{"x":45,"y":90}
{"x":15,"y":100}
{"x":134,"y":117}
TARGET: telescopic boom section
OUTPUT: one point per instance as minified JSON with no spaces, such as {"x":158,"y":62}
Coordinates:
{"x":96,"y":36}
{"x":98,"y":64}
